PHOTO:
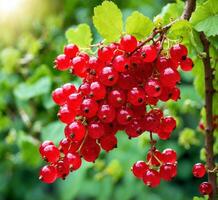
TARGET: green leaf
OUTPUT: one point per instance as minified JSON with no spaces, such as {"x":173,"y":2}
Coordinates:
{"x":26,"y":91}
{"x":205,"y":18}
{"x":29,"y":150}
{"x":138,"y":25}
{"x":80,"y":36}
{"x":107,"y":20}
{"x":53,"y":131}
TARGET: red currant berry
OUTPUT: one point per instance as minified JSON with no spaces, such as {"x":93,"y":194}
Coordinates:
{"x":68,"y":89}
{"x":199,"y":170}
{"x":89,"y":108}
{"x":154,"y":157}
{"x":62,"y":62}
{"x":151,"y":178}
{"x":136,"y":96}
{"x":205,"y":188}
{"x":124,"y":116}
{"x":48,"y":174}
{"x":105,"y":54}
{"x":95,"y":130}
{"x":108,"y":76}
{"x":44,"y":144}
{"x":116,"y":98}
{"x":120,"y":63}
{"x":178,"y":52}
{"x":187,"y":64}
{"x":79,"y":66}
{"x":106,"y":113}
{"x":108,"y":142}
{"x":169,"y":77}
{"x":58,"y":96}
{"x":168,"y":171}
{"x":97,"y":90}
{"x":75,"y":131}
{"x":74,"y":101}
{"x":168,"y":124}
{"x":73,"y":160}
{"x":84,"y":88}
{"x":139,"y":169}
{"x":128,"y":43}
{"x":62,"y":169}
{"x":149,"y":53}
{"x":51,"y":154}
{"x":169,"y":156}
{"x":153,"y":88}
{"x":71,"y":50}
{"x":66,"y":115}
{"x":134,"y":128}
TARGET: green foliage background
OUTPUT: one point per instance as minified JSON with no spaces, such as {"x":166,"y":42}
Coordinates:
{"x":28,"y":46}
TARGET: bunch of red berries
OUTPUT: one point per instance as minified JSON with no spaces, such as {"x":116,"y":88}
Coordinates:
{"x":199,"y":171}
{"x":158,"y":166}
{"x":121,"y":86}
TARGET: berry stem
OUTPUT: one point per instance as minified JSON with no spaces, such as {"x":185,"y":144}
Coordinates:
{"x":209,"y":138}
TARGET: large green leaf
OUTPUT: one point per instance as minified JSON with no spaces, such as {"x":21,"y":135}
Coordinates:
{"x":53,"y":131}
{"x":29,"y":150}
{"x":81,"y":35}
{"x":26,"y":91}
{"x":108,"y":21}
{"x":138,"y":25}
{"x":205,"y":18}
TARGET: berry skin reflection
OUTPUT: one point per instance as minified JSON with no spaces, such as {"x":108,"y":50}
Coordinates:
{"x":120,"y":89}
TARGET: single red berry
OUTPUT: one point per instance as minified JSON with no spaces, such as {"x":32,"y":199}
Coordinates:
{"x":44,"y":144}
{"x":108,"y":142}
{"x":95,"y":130}
{"x":187,"y":64}
{"x":163,"y":135}
{"x":51,"y":154}
{"x":75,"y":131}
{"x":153,"y":88}
{"x":108,"y":76}
{"x":205,"y":188}
{"x":68,"y":89}
{"x":73,"y":160}
{"x":62,"y":169}
{"x":126,"y":81}
{"x":84,"y":88}
{"x":149,"y":53}
{"x":105,"y":54}
{"x":58,"y":96}
{"x":169,"y":77}
{"x":162,"y":63}
{"x":121,"y":63}
{"x":79,"y":66}
{"x":168,"y":171}
{"x":134,"y":128}
{"x":199,"y":170}
{"x":65,"y":145}
{"x":175,"y":94}
{"x":124,"y":116}
{"x":71,"y":50}
{"x":169,"y":156}
{"x":136,"y":96}
{"x":128,"y":43}
{"x":151,"y":178}
{"x":106,"y":113}
{"x":48,"y":174}
{"x":139,"y":168}
{"x":117,"y":98}
{"x":62,"y":62}
{"x":168,"y":124}
{"x":97,"y":90}
{"x":89,"y":108}
{"x":74,"y":101}
{"x":66,"y":115}
{"x":178,"y":52}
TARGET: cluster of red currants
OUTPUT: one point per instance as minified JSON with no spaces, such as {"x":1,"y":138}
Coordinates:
{"x":157,"y":166}
{"x":121,"y":86}
{"x":199,"y":171}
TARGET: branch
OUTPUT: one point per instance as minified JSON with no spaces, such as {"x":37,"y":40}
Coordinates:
{"x":209,"y":139}
{"x":189,"y":9}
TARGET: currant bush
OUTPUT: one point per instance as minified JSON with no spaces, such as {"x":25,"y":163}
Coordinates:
{"x":120,"y":90}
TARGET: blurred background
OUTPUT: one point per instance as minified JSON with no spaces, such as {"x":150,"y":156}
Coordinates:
{"x":32,"y":33}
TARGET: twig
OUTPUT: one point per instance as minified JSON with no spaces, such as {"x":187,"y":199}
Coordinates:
{"x":209,"y":139}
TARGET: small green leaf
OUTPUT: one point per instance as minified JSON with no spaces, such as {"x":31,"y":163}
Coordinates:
{"x":26,"y":91}
{"x":80,"y":36}
{"x":138,"y":25}
{"x":205,"y":18}
{"x":54,"y":131}
{"x":108,"y":21}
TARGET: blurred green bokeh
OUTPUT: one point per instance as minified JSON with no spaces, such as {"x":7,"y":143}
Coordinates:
{"x":31,"y":36}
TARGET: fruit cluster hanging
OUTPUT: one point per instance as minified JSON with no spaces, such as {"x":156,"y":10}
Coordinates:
{"x":120,"y":90}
